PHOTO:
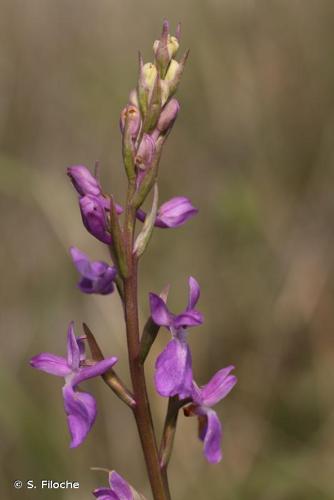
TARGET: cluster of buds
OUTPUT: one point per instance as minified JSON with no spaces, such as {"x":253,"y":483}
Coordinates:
{"x":145,"y":124}
{"x":151,"y":112}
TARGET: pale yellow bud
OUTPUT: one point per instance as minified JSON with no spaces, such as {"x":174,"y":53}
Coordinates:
{"x":172,"y":70}
{"x":149,"y":74}
{"x":172,"y":45}
{"x":155,"y":46}
{"x":164,"y":91}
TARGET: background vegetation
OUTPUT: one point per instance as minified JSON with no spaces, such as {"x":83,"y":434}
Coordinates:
{"x":253,"y":149}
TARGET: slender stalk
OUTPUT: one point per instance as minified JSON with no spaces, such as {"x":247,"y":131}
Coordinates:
{"x":142,"y":410}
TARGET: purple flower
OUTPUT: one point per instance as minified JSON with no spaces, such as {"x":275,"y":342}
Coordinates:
{"x":80,"y":407}
{"x":210,"y":429}
{"x":83,"y":180}
{"x":173,"y":213}
{"x":96,"y":276}
{"x":189,"y":317}
{"x":86,"y":184}
{"x":173,"y":368}
{"x":94,"y":218}
{"x":119,"y":490}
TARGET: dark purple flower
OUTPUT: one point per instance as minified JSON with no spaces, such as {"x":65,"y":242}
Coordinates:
{"x":94,"y":218}
{"x":173,"y":368}
{"x":96,"y":276}
{"x":80,"y":407}
{"x":119,"y":490}
{"x":173,"y":213}
{"x":210,"y":429}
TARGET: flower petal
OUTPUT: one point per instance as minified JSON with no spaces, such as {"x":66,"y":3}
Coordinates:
{"x":73,"y":348}
{"x":211,"y":435}
{"x":194,"y":293}
{"x":120,"y":486}
{"x":217,"y":388}
{"x":50,"y":363}
{"x":99,"y":368}
{"x":159,"y":311}
{"x":105,"y":494}
{"x":188,"y":318}
{"x":173,"y":372}
{"x":80,"y":409}
{"x":94,"y":218}
{"x":82,"y":263}
{"x":83,"y":180}
{"x":96,"y":276}
{"x":175,"y":212}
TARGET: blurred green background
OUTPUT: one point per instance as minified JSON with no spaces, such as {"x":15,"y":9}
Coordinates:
{"x":253,"y":149}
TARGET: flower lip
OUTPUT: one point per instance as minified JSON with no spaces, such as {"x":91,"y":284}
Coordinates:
{"x":203,"y":398}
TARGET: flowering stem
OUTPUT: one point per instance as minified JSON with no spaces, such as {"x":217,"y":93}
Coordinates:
{"x":142,"y":410}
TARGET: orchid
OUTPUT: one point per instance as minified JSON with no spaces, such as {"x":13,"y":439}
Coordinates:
{"x":80,"y":407}
{"x":173,"y":368}
{"x":210,"y":429}
{"x":96,"y":276}
{"x":173,"y":213}
{"x":145,"y":122}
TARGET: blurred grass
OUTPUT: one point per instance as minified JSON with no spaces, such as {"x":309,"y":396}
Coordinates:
{"x":253,"y":149}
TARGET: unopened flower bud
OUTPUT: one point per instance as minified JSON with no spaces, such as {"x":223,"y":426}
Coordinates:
{"x":168,"y":116}
{"x":148,"y":76}
{"x":146,"y":84}
{"x":83,"y":180}
{"x":174,"y":73}
{"x":145,"y":152}
{"x":94,"y":218}
{"x":164,"y":86}
{"x":130,"y":119}
{"x":173,"y":69}
{"x":175,"y":212}
{"x":165,"y":49}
